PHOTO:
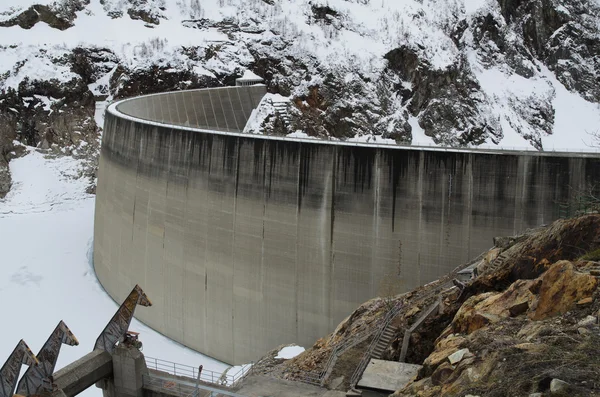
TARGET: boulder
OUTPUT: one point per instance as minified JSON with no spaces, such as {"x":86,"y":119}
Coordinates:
{"x":559,"y":387}
{"x":587,"y":321}
{"x":444,"y":348}
{"x":483,"y":309}
{"x":561,"y":287}
{"x":442,"y":374}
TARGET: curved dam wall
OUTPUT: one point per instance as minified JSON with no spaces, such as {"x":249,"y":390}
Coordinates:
{"x":247,"y":242}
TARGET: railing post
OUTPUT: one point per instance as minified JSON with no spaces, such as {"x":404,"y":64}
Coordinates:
{"x":198,"y":379}
{"x":174,"y":369}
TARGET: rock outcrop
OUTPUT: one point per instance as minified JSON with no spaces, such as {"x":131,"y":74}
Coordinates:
{"x":453,"y":74}
{"x":51,"y":115}
{"x":59,"y":15}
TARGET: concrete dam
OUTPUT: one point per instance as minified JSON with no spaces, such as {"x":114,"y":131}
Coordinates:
{"x":246,"y":242}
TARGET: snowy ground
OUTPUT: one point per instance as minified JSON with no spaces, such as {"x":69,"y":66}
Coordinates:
{"x":46,"y":227}
{"x":290,"y":352}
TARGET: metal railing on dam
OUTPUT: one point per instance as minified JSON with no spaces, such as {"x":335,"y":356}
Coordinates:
{"x":247,"y":242}
{"x":225,"y":378}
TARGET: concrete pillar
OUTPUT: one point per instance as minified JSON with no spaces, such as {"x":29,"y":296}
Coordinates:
{"x":129,"y":366}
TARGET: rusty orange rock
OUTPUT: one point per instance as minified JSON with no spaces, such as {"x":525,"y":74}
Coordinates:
{"x":443,"y":349}
{"x":484,"y":309}
{"x":561,"y":288}
{"x":585,"y":301}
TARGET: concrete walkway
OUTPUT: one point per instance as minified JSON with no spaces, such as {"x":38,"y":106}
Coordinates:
{"x":263,"y":386}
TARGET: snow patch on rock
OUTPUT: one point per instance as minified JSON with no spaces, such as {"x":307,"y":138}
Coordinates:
{"x":289,"y":352}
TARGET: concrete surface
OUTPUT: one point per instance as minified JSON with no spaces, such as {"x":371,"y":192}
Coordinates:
{"x":388,"y":376}
{"x":83,"y":373}
{"x":129,"y":366}
{"x":263,"y":386}
{"x":163,"y":384}
{"x":244,"y":242}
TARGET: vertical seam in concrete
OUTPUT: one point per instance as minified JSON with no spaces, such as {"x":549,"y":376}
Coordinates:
{"x":331,"y":240}
{"x":146,"y":238}
{"x":154,"y":111}
{"x":204,"y":112}
{"x":169,"y":108}
{"x":205,"y":322}
{"x":189,"y":151}
{"x":542,"y":218}
{"x":375,"y":235}
{"x":194,"y":108}
{"x":219,"y":95}
{"x":442,"y":218}
{"x":187,"y":114}
{"x":147,"y":101}
{"x":233,"y":112}
{"x":262,"y":240}
{"x":298,"y":200}
{"x":177,"y":108}
{"x":469,"y":205}
{"x":212,"y":106}
{"x":521,"y":181}
{"x":237,"y":181}
{"x":137,"y":173}
{"x":420,"y":189}
{"x":242,"y":106}
{"x":162,"y":112}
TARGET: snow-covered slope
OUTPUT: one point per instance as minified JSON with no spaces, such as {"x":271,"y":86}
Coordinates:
{"x":46,"y":226}
{"x":460,"y":72}
{"x":472,"y":71}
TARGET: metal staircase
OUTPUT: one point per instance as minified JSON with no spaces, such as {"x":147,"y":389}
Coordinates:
{"x":497,"y":263}
{"x":281,"y":109}
{"x":361,"y":333}
{"x":377,"y":343}
{"x":384,"y":341}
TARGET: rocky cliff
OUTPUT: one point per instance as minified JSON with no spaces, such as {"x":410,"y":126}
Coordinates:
{"x":487,"y":72}
{"x":528,"y":323}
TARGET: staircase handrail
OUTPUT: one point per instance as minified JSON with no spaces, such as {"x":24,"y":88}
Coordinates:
{"x":367,"y":356}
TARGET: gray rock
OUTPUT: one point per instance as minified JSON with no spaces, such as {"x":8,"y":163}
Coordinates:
{"x":558,"y":387}
{"x":456,"y":357}
{"x":5,"y":180}
{"x":587,"y":322}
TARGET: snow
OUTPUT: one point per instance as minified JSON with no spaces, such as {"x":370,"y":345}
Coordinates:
{"x":512,"y":96}
{"x":300,"y":134}
{"x":46,"y":228}
{"x":236,"y":372}
{"x":370,"y":138}
{"x":356,"y":39}
{"x":249,"y":75}
{"x":418,"y":135}
{"x":289,"y":352}
{"x":99,"y":113}
{"x":575,"y":120}
{"x":262,"y":112}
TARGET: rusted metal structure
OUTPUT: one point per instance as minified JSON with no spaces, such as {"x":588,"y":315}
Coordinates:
{"x":39,"y":378}
{"x":10,"y":370}
{"x":117,"y":327}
